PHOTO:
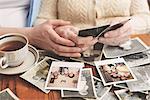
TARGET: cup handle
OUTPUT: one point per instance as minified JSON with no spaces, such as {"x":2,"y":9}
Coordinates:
{"x":3,"y":64}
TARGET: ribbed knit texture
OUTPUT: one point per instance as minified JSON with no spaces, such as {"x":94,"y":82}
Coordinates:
{"x":87,"y":13}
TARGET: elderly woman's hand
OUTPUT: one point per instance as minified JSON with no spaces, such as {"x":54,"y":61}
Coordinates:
{"x":118,"y":36}
{"x":71,"y":33}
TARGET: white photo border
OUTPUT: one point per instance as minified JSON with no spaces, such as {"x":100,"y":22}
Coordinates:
{"x":110,"y":61}
{"x":10,"y":93}
{"x":64,"y":64}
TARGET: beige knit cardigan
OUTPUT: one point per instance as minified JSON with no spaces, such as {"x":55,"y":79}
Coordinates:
{"x":87,"y":13}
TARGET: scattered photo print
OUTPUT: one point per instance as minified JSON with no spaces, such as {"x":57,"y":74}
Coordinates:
{"x":121,"y":85}
{"x":109,"y":96}
{"x":125,"y":94}
{"x":94,"y":53}
{"x":100,"y":89}
{"x":38,"y":74}
{"x":143,"y":79}
{"x":114,"y":71}
{"x":137,"y":59}
{"x":7,"y":94}
{"x":64,"y":75}
{"x":44,"y":53}
{"x":115,"y":51}
{"x":86,"y":86}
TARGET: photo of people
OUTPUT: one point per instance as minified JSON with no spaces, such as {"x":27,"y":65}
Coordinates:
{"x":86,"y":86}
{"x":64,"y":75}
{"x":114,"y":71}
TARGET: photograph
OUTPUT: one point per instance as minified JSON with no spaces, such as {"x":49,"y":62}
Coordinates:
{"x":114,"y":71}
{"x":94,"y":53}
{"x":38,"y":74}
{"x":64,"y":75}
{"x":137,"y":45}
{"x":125,"y":94}
{"x":109,"y":96}
{"x":44,"y":53}
{"x":86,"y":86}
{"x":100,"y":89}
{"x":138,"y":59}
{"x":7,"y":94}
{"x":143,"y":79}
{"x":121,"y":85}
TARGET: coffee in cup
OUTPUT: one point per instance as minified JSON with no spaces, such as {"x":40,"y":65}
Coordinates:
{"x":13,"y":49}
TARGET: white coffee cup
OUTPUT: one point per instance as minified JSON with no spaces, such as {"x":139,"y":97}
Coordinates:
{"x":13,"y":49}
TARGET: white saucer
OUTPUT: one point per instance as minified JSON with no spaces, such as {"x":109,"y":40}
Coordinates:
{"x":32,"y":59}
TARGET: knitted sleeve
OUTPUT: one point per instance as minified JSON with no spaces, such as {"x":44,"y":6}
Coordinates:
{"x":140,"y":14}
{"x":48,"y":10}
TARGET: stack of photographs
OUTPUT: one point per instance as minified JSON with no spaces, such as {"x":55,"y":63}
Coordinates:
{"x":133,"y":86}
{"x":123,"y":74}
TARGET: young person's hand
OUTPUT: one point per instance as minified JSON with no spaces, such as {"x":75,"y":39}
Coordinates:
{"x":45,"y":37}
{"x":118,"y":36}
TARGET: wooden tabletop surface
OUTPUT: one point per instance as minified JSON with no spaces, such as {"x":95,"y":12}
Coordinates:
{"x":26,"y":91}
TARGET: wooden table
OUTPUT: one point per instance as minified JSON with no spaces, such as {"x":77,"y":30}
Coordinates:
{"x":26,"y":91}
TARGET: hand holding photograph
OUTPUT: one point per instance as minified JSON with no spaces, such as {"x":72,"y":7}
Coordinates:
{"x":64,"y":75}
{"x":114,"y":71}
{"x":7,"y":94}
{"x":137,"y":45}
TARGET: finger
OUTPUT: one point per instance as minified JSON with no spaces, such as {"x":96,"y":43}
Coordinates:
{"x":74,"y":29}
{"x":114,"y":41}
{"x":62,"y":48}
{"x":84,"y":40}
{"x":58,"y":22}
{"x":114,"y":33}
{"x":59,"y":40}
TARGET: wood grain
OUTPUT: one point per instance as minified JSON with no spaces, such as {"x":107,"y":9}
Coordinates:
{"x":26,"y":91}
